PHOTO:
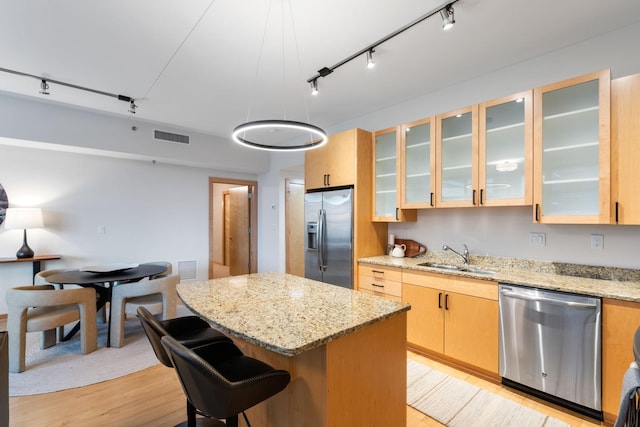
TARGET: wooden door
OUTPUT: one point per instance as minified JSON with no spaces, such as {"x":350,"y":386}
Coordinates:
{"x":341,"y":157}
{"x":425,"y":320}
{"x":226,"y":229}
{"x":239,"y":240}
{"x":294,"y":225}
{"x":471,"y":331}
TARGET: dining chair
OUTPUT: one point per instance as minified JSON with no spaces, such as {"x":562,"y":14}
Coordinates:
{"x":220,"y":382}
{"x":159,"y":296}
{"x":42,"y":308}
{"x":41,"y":279}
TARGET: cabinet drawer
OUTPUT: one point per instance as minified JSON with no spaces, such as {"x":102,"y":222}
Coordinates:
{"x":381,"y":286}
{"x":378,"y":272}
{"x":380,"y":294}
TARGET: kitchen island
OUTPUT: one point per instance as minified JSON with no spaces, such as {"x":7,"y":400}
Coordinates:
{"x":345,"y":350}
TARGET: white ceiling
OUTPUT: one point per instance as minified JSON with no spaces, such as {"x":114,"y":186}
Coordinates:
{"x":194,"y":64}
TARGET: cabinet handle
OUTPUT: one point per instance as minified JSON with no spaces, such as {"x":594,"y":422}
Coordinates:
{"x":481,"y":191}
{"x":617,"y":212}
{"x":439,"y":299}
{"x":397,"y":217}
{"x":473,"y":197}
{"x":324,"y":179}
{"x":328,"y":178}
{"x":537,"y":212}
{"x":377,"y":286}
{"x":446,"y":302}
{"x":431,"y":198}
{"x":377,"y":271}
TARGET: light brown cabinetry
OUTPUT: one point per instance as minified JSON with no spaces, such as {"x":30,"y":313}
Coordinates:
{"x":381,"y":281}
{"x":346,"y":160}
{"x":386,"y":181}
{"x":333,"y":165}
{"x":572,"y":150}
{"x":418,"y":164}
{"x":620,"y":319}
{"x":625,"y":143}
{"x":453,"y":317}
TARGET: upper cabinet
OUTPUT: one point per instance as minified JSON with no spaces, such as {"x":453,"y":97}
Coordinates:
{"x":572,"y":150}
{"x":457,"y":158}
{"x":625,"y":149}
{"x":418,"y":160}
{"x":506,"y":151}
{"x":386,"y":167}
{"x":333,"y":164}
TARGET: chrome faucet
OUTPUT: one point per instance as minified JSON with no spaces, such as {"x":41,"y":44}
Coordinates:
{"x":464,"y":255}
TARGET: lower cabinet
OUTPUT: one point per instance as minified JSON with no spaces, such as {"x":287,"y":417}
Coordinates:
{"x":620,"y":319}
{"x":453,"y":317}
{"x":380,"y":281}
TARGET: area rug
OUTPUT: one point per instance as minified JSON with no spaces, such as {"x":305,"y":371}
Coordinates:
{"x":454,"y":402}
{"x":63,"y":366}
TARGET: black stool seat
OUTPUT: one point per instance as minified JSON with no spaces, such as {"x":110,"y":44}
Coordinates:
{"x":221,"y":382}
{"x":191,"y":331}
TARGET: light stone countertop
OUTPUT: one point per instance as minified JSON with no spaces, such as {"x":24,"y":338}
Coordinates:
{"x":284,"y":313}
{"x":605,"y":282}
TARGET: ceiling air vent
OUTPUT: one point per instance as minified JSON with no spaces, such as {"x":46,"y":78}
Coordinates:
{"x":171,"y":137}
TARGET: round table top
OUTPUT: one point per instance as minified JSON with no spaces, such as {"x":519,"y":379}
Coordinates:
{"x":78,"y":277}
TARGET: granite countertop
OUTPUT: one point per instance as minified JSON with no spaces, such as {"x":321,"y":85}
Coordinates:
{"x":606,"y":282}
{"x":284,"y":313}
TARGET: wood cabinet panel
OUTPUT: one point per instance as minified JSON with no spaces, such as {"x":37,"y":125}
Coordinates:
{"x":620,"y":319}
{"x":625,"y":138}
{"x":471,"y":330}
{"x":380,"y":281}
{"x":425,"y":320}
{"x":333,"y":164}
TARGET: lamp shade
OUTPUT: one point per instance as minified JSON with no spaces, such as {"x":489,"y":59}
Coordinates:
{"x":23,"y":218}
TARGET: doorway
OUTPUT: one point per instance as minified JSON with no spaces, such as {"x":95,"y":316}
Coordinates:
{"x":233,"y":227}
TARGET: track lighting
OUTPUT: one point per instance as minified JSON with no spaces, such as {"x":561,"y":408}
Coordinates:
{"x":447,"y":17}
{"x":370,"y":61}
{"x":44,"y":87}
{"x":446,"y":12}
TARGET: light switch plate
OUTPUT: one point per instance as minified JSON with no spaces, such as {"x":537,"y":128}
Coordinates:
{"x":597,"y":242}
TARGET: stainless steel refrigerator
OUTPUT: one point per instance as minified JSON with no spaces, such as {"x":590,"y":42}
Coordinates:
{"x":328,"y":217}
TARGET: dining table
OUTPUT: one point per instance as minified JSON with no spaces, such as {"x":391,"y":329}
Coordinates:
{"x":103,"y":279}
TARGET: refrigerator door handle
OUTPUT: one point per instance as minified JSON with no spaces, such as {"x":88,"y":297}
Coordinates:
{"x":321,"y":239}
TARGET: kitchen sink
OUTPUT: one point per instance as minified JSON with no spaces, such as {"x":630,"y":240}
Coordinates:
{"x":456,"y":268}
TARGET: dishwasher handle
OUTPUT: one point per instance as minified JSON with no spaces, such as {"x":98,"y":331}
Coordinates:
{"x":573,"y":304}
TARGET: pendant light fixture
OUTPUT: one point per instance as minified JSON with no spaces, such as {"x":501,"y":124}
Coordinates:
{"x":280,"y":134}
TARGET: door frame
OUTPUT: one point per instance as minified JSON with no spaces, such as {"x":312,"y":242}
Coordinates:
{"x":253,"y":220}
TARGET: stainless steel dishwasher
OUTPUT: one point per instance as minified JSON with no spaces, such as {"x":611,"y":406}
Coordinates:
{"x":550,"y":346}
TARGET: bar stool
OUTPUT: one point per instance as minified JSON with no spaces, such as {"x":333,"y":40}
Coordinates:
{"x":191,"y":331}
{"x":220,"y":382}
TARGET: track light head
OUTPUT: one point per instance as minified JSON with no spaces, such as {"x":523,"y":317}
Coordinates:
{"x":314,"y":87}
{"x":132,"y":106}
{"x":370,"y":61}
{"x":447,"y":17}
{"x":44,"y":87}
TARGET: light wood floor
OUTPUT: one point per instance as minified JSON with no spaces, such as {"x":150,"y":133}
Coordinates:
{"x":153,"y":397}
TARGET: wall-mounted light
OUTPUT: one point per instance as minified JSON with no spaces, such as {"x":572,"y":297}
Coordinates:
{"x":447,"y":17}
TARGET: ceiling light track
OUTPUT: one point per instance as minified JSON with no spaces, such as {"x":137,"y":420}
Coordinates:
{"x":44,"y":88}
{"x":445,"y":8}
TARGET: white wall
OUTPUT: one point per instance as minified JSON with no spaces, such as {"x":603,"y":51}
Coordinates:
{"x":504,"y":231}
{"x":150,"y":211}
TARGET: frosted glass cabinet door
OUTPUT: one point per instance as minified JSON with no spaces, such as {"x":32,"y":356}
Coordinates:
{"x":572,"y":172}
{"x":457,"y":139}
{"x":385,"y":167}
{"x":506,"y":140}
{"x":418,"y":148}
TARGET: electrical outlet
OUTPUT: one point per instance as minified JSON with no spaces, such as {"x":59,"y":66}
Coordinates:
{"x":597,"y":242}
{"x":102,"y":229}
{"x":537,"y":239}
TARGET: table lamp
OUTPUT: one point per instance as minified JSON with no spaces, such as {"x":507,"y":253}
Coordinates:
{"x":23,"y":219}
